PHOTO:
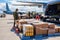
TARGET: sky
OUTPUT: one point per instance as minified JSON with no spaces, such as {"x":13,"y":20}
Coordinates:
{"x":3,"y":2}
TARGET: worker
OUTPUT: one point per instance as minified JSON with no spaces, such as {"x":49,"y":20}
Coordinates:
{"x":37,"y":16}
{"x":29,"y":15}
{"x":15,"y":15}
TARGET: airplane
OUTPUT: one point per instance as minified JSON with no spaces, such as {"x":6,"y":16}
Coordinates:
{"x":25,"y":3}
{"x":39,"y":4}
{"x":8,"y":11}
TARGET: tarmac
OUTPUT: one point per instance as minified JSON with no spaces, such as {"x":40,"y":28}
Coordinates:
{"x":5,"y":29}
{"x":6,"y":25}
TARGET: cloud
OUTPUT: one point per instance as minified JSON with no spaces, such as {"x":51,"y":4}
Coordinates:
{"x":2,"y":7}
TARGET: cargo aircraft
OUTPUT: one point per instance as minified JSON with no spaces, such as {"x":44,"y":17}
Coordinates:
{"x":21,"y":3}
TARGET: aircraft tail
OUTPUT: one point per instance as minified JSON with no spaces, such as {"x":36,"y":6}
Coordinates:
{"x":7,"y":7}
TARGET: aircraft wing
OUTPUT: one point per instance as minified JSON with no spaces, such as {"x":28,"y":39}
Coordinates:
{"x":20,"y":3}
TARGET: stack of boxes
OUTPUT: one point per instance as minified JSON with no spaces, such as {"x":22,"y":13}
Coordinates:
{"x":57,"y":29}
{"x":41,"y":28}
{"x":28,"y":30}
{"x":37,"y":28}
{"x":51,"y":29}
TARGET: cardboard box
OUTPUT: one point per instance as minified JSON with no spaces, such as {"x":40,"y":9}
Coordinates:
{"x":41,"y":31}
{"x":59,"y":29}
{"x":56,"y":29}
{"x":37,"y":31}
{"x":52,"y":26}
{"x":24,"y":22}
{"x":36,"y":25}
{"x":51,"y":31}
{"x":42,"y":25}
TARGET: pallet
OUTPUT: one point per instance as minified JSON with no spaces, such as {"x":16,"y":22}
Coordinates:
{"x":38,"y":37}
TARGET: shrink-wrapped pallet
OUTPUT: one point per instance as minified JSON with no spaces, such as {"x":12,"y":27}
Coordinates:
{"x":28,"y":30}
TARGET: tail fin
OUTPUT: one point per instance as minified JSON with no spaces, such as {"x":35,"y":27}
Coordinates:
{"x":7,"y":7}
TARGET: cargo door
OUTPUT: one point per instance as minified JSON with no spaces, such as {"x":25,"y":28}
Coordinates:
{"x":51,"y":10}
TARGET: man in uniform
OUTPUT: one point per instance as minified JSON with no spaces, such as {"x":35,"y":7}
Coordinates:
{"x":15,"y":15}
